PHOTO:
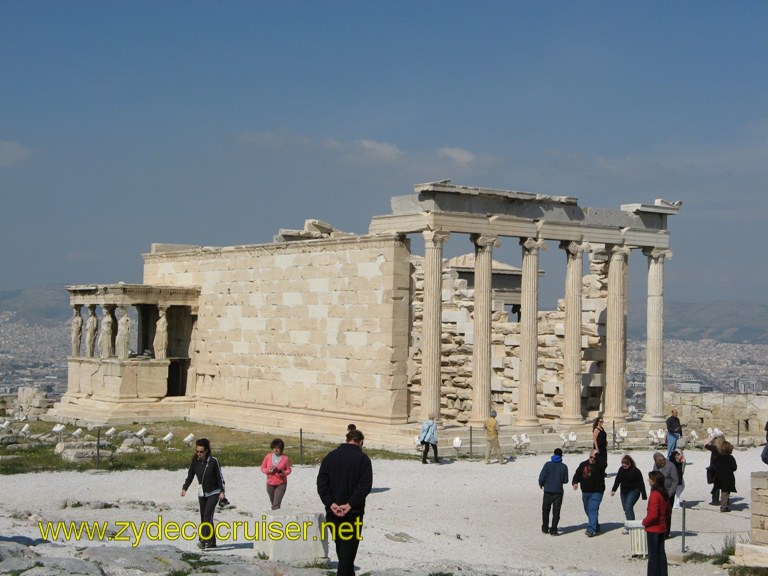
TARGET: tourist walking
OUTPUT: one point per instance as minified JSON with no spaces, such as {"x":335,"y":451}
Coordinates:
{"x":428,"y":437}
{"x":552,"y":477}
{"x":631,"y":486}
{"x":600,"y":441}
{"x":491,"y":427}
{"x":277,"y":467}
{"x":344,"y":481}
{"x":678,"y":459}
{"x":713,"y":445}
{"x":655,"y":523}
{"x":674,"y":432}
{"x":671,"y":480}
{"x":210,"y":490}
{"x":590,"y":475}
{"x":725,"y":466}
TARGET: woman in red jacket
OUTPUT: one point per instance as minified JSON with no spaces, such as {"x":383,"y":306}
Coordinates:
{"x":655,"y":523}
{"x":277,"y":467}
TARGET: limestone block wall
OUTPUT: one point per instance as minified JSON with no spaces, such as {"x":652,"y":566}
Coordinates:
{"x":458,"y":337}
{"x":116,"y":379}
{"x":313,"y":327}
{"x":742,"y":414}
{"x":758,"y":533}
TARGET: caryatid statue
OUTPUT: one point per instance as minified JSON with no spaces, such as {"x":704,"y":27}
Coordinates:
{"x":123,"y":334}
{"x":160,"y":343}
{"x":76,"y":332}
{"x":105,"y":335}
{"x":91,"y":327}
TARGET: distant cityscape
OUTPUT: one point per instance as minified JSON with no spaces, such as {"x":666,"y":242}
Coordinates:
{"x":36,"y":355}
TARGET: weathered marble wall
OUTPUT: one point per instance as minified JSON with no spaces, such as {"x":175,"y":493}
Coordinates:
{"x":305,"y":327}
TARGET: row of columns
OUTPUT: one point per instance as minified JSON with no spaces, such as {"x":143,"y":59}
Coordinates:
{"x":614,"y":399}
{"x":111,"y":335}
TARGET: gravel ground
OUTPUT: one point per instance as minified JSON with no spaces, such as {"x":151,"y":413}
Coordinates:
{"x":457,"y":517}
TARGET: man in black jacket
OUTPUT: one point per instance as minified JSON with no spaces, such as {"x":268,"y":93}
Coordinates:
{"x":591,"y":476}
{"x":343,"y":483}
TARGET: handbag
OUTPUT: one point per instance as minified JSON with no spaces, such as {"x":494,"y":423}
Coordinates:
{"x":710,"y":475}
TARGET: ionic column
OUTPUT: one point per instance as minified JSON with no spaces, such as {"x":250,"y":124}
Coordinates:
{"x":432,"y":322}
{"x":529,"y":345}
{"x":481,"y":348}
{"x":654,"y":349}
{"x":616,"y":337}
{"x":571,"y":414}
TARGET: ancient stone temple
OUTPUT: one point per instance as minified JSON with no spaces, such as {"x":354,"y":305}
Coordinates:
{"x":320,"y":328}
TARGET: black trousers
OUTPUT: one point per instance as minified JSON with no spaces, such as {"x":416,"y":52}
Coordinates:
{"x":657,"y":556}
{"x":346,"y":547}
{"x":426,"y":451}
{"x":207,"y":508}
{"x":553,"y":501}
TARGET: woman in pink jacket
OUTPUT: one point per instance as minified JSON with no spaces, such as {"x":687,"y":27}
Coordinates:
{"x":277,"y":467}
{"x":655,"y":523}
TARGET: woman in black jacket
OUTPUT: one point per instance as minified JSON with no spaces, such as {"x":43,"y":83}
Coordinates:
{"x":209,"y":492}
{"x":632,"y":484}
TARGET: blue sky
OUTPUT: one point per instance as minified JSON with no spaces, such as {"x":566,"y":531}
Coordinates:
{"x":124,"y":123}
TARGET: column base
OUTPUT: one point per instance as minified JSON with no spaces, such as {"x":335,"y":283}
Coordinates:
{"x":527,"y":423}
{"x":572,"y":421}
{"x":653,"y":418}
{"x":621,"y":419}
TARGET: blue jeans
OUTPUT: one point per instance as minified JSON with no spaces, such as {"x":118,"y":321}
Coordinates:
{"x":671,"y":443}
{"x":591,"y":501}
{"x":628,"y":501}
{"x":657,"y":556}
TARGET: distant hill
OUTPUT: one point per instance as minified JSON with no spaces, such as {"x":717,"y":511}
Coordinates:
{"x":46,"y":305}
{"x":723,"y":320}
{"x":729,"y":321}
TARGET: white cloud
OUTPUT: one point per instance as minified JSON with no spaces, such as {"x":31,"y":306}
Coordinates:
{"x":460,"y":156}
{"x":12,"y":153}
{"x":381,"y":150}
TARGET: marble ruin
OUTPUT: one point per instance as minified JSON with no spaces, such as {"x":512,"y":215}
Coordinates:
{"x":320,"y":327}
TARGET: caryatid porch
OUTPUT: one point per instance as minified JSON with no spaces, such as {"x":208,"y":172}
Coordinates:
{"x":439,"y":209}
{"x":102,"y":365}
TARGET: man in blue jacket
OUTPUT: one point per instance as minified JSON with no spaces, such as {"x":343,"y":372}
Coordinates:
{"x":551,"y":479}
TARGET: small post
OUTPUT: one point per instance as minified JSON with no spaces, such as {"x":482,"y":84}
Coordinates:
{"x":470,"y":441}
{"x":98,"y":447}
{"x":301,"y":446}
{"x":682,"y":537}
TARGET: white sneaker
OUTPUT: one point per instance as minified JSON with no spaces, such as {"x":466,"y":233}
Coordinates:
{"x":625,"y":531}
